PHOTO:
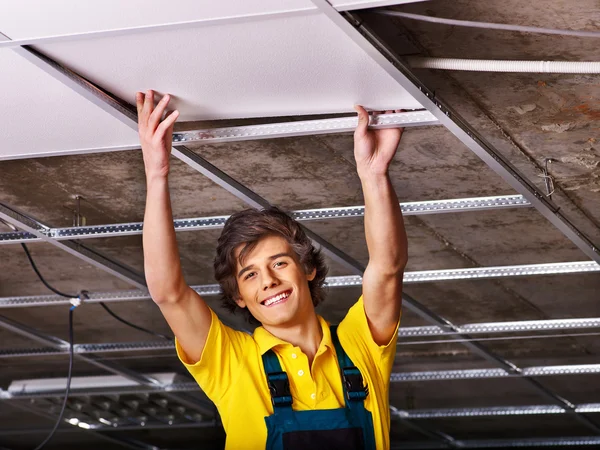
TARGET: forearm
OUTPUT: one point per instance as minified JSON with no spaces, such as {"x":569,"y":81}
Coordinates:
{"x":161,"y":256}
{"x":384,"y":226}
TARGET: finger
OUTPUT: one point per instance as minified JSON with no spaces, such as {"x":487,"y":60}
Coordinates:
{"x":148,"y":105}
{"x":363,"y":119}
{"x":167,"y":123}
{"x":139,"y":101}
{"x":157,"y":114}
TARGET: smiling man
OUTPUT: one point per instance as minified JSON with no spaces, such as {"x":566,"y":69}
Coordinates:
{"x":297,"y":382}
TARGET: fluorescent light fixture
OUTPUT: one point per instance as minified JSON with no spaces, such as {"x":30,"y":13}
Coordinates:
{"x":32,"y":386}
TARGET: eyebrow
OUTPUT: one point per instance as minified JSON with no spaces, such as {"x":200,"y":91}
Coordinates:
{"x":271,"y":258}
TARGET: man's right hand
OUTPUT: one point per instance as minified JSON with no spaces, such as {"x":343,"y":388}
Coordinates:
{"x":156,"y":137}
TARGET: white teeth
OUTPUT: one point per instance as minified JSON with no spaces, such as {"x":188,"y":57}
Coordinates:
{"x":276,"y":299}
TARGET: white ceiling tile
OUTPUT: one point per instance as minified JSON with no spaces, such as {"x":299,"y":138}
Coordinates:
{"x":284,"y":66}
{"x":41,"y":116}
{"x":29,"y":19}
{"x":21,"y":19}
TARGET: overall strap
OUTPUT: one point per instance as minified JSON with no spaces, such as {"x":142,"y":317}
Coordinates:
{"x":279,"y":384}
{"x":352,"y":380}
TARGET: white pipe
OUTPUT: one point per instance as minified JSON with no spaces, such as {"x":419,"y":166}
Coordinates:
{"x":488,"y":25}
{"x":482,"y":65}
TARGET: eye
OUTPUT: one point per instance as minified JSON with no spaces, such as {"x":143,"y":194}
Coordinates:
{"x":280,"y":264}
{"x":250,"y":275}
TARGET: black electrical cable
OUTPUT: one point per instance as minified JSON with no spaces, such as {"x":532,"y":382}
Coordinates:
{"x":108,"y":310}
{"x":120,"y":319}
{"x":71,"y":339}
{"x":64,"y":404}
{"x":56,"y":291}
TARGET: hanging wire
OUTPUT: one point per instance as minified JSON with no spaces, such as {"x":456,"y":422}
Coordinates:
{"x":80,"y":297}
{"x":548,"y":179}
{"x":68,"y":388}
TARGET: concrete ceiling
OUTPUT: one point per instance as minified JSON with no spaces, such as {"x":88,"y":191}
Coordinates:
{"x":527,"y":117}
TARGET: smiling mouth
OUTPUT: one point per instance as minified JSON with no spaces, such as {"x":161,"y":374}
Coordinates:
{"x":276,"y":299}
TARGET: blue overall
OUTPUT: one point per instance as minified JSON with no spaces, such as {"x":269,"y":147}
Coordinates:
{"x":348,"y":428}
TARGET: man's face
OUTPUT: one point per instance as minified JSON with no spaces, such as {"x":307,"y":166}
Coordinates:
{"x":273,"y":284}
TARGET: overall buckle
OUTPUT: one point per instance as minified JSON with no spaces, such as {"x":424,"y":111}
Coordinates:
{"x":353,"y":381}
{"x":279,"y":385}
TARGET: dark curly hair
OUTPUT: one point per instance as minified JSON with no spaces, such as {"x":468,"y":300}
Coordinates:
{"x":247,"y":228}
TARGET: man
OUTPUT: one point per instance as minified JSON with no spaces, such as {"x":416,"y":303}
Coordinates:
{"x":282,"y":387}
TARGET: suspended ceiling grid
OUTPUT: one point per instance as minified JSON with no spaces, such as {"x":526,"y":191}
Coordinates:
{"x":253,"y":66}
{"x":305,"y":180}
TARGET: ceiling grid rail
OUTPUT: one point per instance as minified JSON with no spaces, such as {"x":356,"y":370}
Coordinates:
{"x":395,"y":377}
{"x":122,"y":111}
{"x":345,"y":281}
{"x":405,"y":119}
{"x":215,"y":222}
{"x":404,"y":332}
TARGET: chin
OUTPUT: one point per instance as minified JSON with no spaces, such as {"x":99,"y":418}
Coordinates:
{"x":280,"y":319}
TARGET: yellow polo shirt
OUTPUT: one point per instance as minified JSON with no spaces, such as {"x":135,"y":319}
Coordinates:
{"x":231,"y":374}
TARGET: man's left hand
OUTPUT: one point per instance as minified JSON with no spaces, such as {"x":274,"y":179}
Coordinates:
{"x":374,"y":149}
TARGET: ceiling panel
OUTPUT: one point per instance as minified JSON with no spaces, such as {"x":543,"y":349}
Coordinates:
{"x":27,"y":19}
{"x":274,"y":67}
{"x":41,"y":115}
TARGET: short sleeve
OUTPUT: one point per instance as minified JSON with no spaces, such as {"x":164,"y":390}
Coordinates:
{"x":355,"y":329}
{"x":221,"y":358}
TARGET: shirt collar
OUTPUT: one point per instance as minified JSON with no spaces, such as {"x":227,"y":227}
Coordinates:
{"x":266,"y":341}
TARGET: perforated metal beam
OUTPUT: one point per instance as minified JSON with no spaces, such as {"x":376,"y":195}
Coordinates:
{"x":395,"y":377}
{"x":492,"y":411}
{"x":303,"y":128}
{"x":560,"y":442}
{"x":505,"y":327}
{"x":209,"y":223}
{"x":427,"y":276}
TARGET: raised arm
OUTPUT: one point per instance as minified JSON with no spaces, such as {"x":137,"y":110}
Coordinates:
{"x":384,"y":227}
{"x":186,"y":313}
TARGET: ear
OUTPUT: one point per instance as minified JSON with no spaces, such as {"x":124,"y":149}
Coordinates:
{"x":312,"y":274}
{"x":241,"y":303}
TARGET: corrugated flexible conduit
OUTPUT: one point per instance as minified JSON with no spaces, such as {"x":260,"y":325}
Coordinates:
{"x":488,"y":65}
{"x":418,"y":62}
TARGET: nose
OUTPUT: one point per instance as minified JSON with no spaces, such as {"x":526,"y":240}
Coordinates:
{"x":269,"y":280}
